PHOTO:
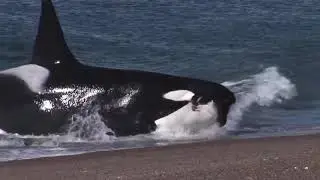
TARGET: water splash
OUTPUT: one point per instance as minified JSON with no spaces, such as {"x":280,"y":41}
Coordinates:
{"x":264,"y":89}
{"x":89,"y":125}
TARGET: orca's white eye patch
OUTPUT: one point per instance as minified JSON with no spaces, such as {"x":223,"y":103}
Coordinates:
{"x":2,"y":132}
{"x":179,"y":95}
{"x":33,"y":75}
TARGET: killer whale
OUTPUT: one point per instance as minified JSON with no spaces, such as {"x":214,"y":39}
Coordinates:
{"x":41,"y":97}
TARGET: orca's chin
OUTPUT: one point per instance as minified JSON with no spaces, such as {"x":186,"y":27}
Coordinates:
{"x":222,"y":112}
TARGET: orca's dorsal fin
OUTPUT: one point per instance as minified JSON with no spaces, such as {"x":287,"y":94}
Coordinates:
{"x":50,"y":47}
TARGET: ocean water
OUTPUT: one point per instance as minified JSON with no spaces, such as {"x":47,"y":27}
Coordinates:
{"x":266,"y":51}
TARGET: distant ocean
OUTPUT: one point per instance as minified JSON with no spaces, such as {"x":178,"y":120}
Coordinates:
{"x":266,"y":51}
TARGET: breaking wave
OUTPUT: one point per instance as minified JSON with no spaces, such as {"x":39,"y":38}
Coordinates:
{"x":264,"y":89}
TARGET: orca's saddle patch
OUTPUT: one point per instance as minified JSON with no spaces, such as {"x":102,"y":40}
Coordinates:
{"x":33,"y":75}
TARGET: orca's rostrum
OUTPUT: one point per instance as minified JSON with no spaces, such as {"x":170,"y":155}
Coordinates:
{"x":41,"y":97}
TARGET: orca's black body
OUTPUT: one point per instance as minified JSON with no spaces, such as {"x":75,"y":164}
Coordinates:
{"x":66,"y":87}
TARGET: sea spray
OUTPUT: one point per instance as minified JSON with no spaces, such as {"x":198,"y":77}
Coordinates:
{"x":89,"y":125}
{"x":263,"y":89}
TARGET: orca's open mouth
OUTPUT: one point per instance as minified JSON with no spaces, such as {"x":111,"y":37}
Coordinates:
{"x":223,"y":108}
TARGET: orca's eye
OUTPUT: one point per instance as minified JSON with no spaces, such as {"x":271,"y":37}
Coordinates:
{"x":199,"y":99}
